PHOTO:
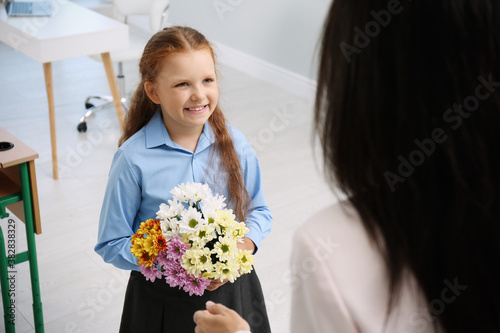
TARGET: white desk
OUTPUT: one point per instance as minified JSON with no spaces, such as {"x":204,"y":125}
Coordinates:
{"x":71,"y":31}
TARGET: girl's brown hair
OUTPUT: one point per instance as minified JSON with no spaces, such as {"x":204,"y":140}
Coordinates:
{"x":178,"y":40}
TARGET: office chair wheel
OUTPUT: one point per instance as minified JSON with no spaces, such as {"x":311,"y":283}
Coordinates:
{"x":89,"y":105}
{"x":82,"y":127}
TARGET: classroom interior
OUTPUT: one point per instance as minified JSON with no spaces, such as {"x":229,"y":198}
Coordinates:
{"x":81,"y":293}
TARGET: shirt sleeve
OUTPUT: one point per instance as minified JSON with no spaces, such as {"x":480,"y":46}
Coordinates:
{"x":259,"y":218}
{"x":122,"y":200}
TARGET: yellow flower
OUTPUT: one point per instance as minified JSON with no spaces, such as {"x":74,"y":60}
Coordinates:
{"x":140,"y":232}
{"x":184,"y":238}
{"x":147,"y":242}
{"x":225,"y":248}
{"x":149,"y":245}
{"x":227,"y":270}
{"x":190,"y":262}
{"x":209,"y":275}
{"x":197,"y":261}
{"x":202,"y":235}
{"x":204,"y":260}
{"x":238,"y":230}
{"x":137,"y":249}
{"x":224,"y":219}
{"x":226,"y":215}
{"x":245,"y":260}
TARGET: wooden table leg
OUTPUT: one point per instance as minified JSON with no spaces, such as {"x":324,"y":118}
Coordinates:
{"x":108,"y":65}
{"x":47,"y":69}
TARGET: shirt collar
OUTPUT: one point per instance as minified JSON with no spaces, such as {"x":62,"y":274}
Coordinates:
{"x":157,"y":135}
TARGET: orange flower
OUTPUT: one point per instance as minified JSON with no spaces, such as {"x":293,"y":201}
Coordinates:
{"x":146,"y":259}
{"x":148,"y":241}
{"x":151,"y":224}
{"x":160,"y":243}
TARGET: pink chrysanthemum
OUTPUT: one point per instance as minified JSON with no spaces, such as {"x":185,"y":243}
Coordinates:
{"x":174,"y":274}
{"x":162,"y":258}
{"x":176,"y":248}
{"x":196,"y":285}
{"x":150,"y":272}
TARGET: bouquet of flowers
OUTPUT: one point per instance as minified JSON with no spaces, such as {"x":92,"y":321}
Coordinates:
{"x":192,"y":241}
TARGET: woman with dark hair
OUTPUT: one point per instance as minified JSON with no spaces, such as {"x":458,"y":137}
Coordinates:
{"x":407,"y":113}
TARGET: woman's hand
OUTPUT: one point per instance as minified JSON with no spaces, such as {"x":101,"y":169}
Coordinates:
{"x":218,"y":319}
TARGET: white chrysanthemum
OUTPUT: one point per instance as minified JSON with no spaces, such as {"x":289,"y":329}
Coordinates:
{"x":191,"y":192}
{"x":213,"y":203}
{"x":203,"y":234}
{"x":191,"y":220}
{"x":225,"y":248}
{"x":245,"y":260}
{"x":211,"y":206}
{"x":225,"y":221}
{"x":184,"y":238}
{"x":208,"y":275}
{"x":237,"y":230}
{"x":164,"y":212}
{"x":188,"y":262}
{"x":226,"y":215}
{"x":228,"y":270}
{"x":205,"y":260}
{"x":174,"y":208}
{"x":197,"y":261}
{"x":169,"y":228}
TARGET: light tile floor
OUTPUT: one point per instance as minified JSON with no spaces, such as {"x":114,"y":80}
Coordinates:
{"x":80,"y":293}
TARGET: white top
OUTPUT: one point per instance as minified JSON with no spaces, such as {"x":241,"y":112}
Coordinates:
{"x":71,"y":31}
{"x":340,"y":282}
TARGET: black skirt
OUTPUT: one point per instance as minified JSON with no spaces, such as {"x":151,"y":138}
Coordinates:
{"x":155,"y":307}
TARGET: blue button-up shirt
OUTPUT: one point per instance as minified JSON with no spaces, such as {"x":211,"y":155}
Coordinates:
{"x":148,"y":165}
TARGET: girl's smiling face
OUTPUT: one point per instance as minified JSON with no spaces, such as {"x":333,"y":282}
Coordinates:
{"x":186,"y":89}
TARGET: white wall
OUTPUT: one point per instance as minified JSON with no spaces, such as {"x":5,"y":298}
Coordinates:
{"x":281,"y":35}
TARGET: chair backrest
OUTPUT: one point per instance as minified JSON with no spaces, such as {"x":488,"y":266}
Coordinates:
{"x":156,"y":9}
{"x":131,"y":7}
{"x":158,"y":14}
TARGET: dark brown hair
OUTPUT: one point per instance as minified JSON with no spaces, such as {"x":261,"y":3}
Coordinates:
{"x":176,"y":40}
{"x":408,"y":115}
